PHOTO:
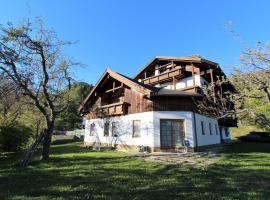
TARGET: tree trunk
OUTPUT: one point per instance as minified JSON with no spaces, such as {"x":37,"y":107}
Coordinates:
{"x":47,"y":141}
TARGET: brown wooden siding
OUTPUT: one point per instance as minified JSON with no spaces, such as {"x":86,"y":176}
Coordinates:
{"x":173,"y":104}
{"x":138,"y":102}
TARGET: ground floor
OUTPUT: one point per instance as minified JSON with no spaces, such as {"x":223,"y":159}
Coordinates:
{"x":158,"y":130}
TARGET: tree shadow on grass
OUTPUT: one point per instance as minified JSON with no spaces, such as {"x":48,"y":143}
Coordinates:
{"x":112,"y":175}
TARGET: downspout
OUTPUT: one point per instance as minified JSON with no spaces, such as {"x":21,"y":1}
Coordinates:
{"x":195,"y":127}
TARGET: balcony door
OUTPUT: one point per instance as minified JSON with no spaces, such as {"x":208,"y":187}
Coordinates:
{"x":171,"y":132}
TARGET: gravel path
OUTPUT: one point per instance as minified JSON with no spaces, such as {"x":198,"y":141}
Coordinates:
{"x":195,"y":159}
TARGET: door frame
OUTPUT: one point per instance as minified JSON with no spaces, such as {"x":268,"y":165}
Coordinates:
{"x":172,"y":136}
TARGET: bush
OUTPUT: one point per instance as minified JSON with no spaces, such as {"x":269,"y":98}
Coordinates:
{"x":14,"y":138}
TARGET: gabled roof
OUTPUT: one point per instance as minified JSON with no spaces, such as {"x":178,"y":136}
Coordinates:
{"x":194,"y":59}
{"x":140,"y":87}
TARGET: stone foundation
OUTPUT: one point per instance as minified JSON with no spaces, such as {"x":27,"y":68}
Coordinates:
{"x":135,"y":148}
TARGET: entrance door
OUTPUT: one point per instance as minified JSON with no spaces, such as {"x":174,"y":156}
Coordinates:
{"x":171,"y":132}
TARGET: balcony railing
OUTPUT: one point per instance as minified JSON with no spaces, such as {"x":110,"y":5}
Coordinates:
{"x":228,"y":121}
{"x":192,"y":89}
{"x":164,"y":76}
{"x":119,"y":108}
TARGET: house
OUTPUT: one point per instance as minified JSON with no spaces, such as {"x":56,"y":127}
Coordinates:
{"x":156,"y":107}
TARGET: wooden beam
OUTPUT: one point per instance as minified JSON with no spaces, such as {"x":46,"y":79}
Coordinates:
{"x":193,"y":77}
{"x":174,"y":83}
{"x":113,"y":86}
{"x":212,"y":85}
{"x":205,"y":72}
{"x":113,"y":89}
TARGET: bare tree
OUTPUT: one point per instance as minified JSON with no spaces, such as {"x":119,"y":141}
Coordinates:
{"x":31,"y":56}
{"x":215,"y":102}
{"x":256,"y":64}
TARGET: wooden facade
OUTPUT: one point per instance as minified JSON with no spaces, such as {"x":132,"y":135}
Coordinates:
{"x":115,"y":94}
{"x":173,"y":104}
{"x":137,"y":102}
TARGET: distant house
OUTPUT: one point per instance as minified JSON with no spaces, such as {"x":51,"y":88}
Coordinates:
{"x":155,"y":107}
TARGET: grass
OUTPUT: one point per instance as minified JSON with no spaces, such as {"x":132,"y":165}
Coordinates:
{"x":77,"y":173}
{"x":243,"y":130}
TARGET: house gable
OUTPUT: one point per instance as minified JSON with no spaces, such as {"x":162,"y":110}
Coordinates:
{"x":114,"y":89}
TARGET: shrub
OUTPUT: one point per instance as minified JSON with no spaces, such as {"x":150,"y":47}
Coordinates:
{"x":14,"y":138}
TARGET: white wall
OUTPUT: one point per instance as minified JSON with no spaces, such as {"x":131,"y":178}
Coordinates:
{"x":188,"y":81}
{"x":188,"y":124}
{"x":150,"y":128}
{"x":185,"y":82}
{"x":207,"y":138}
{"x":124,"y":129}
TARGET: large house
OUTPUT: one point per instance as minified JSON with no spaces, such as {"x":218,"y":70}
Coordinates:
{"x":156,"y":108}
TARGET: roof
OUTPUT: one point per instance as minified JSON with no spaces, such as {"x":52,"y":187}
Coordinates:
{"x":193,"y":58}
{"x":140,"y":87}
{"x":150,"y":87}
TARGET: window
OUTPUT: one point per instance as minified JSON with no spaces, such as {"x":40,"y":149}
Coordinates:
{"x":216,"y":129}
{"x":136,"y":128}
{"x":227,"y":132}
{"x":171,"y":133}
{"x":92,"y":129}
{"x":106,"y":128}
{"x":210,"y":129}
{"x":202,"y":127}
{"x":115,"y":129}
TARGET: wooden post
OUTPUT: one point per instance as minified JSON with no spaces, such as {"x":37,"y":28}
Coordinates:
{"x":174,"y":83}
{"x":193,"y":77}
{"x":212,"y":85}
{"x":113,"y":86}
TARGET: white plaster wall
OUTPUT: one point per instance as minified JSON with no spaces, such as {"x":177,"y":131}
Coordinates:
{"x":124,"y":129}
{"x":185,"y":82}
{"x":188,"y":81}
{"x":188,"y":124}
{"x":150,"y":128}
{"x":207,"y":139}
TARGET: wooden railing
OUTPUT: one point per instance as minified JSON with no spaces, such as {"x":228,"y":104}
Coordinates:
{"x":230,"y":121}
{"x":119,"y":108}
{"x":193,"y":89}
{"x":177,"y":73}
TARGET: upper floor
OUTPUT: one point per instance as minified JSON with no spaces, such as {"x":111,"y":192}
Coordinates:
{"x":181,"y":73}
{"x":165,"y":83}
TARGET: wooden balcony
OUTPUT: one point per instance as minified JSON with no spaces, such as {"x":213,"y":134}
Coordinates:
{"x":164,"y":77}
{"x":119,"y":108}
{"x":228,"y":121}
{"x":192,"y":89}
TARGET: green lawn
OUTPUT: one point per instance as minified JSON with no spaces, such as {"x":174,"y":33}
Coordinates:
{"x":77,"y":173}
{"x":243,"y":130}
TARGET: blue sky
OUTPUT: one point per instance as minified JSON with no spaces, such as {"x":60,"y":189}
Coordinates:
{"x":125,"y":34}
